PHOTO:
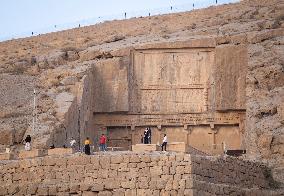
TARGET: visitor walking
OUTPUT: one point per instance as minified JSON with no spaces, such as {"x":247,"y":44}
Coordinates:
{"x":165,"y":141}
{"x":87,"y":146}
{"x":28,"y":141}
{"x":103,"y":142}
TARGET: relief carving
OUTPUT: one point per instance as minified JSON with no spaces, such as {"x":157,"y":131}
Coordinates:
{"x":181,"y":92}
{"x":171,"y":81}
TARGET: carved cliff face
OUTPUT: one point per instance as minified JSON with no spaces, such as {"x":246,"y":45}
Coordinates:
{"x":192,"y":90}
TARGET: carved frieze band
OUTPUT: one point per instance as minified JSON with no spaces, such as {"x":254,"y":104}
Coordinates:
{"x":172,"y":87}
{"x":231,"y":118}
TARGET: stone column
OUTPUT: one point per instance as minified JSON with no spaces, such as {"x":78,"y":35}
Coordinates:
{"x":188,"y":133}
{"x":132,"y":134}
{"x":212,"y":132}
{"x":242,"y":131}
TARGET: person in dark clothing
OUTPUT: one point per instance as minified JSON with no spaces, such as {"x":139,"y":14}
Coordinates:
{"x":87,"y":146}
{"x":52,"y":146}
{"x":28,"y":141}
{"x":149,"y":135}
{"x":146,"y":136}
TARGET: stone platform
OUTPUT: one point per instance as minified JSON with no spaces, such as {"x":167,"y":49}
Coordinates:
{"x":144,"y":147}
{"x":177,"y":147}
{"x":173,"y":147}
{"x":60,"y":151}
{"x":32,"y":153}
{"x":6,"y":156}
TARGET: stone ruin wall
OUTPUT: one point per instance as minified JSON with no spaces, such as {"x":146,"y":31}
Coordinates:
{"x":134,"y":174}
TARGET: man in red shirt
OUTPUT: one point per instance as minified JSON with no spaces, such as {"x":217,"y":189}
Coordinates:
{"x":103,"y":143}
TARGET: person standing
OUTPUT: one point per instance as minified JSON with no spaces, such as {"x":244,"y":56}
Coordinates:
{"x":165,"y":141}
{"x":73,"y":144}
{"x":146,"y":136}
{"x":149,"y":135}
{"x":87,"y":146}
{"x":103,"y":143}
{"x":142,"y":139}
{"x":28,"y":141}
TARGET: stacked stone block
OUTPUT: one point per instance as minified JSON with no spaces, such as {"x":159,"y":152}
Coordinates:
{"x":128,"y":173}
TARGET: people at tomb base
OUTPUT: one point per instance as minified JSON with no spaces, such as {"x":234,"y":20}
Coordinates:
{"x":28,"y":143}
{"x":149,"y":135}
{"x":165,"y":141}
{"x":73,"y":143}
{"x":146,"y":136}
{"x":103,"y":142}
{"x":52,"y":146}
{"x":87,"y":146}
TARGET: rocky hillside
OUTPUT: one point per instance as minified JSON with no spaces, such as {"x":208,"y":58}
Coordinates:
{"x":57,"y":64}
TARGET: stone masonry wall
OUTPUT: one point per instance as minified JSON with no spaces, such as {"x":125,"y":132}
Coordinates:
{"x":127,"y":173}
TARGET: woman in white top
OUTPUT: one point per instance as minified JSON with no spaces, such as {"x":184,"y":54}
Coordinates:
{"x":73,"y":143}
{"x":164,"y":144}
